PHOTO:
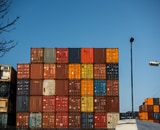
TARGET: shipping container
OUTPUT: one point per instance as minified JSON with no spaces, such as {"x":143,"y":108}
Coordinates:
{"x":61,"y":87}
{"x":37,"y":55}
{"x":74,"y":71}
{"x":87,"y":87}
{"x":74,"y":55}
{"x":100,"y":104}
{"x":111,"y":55}
{"x":48,"y":87}
{"x":61,"y":71}
{"x":36,"y":71}
{"x":23,"y":86}
{"x":22,"y":104}
{"x":146,"y":108}
{"x":156,"y":108}
{"x":48,"y":103}
{"x":112,"y":120}
{"x":48,"y":120}
{"x":36,"y":87}
{"x":23,"y":71}
{"x":87,"y":120}
{"x":156,"y":101}
{"x":3,"y":120}
{"x":61,"y":55}
{"x":99,"y":55}
{"x":99,"y":71}
{"x":35,"y":104}
{"x":112,"y":71}
{"x":74,"y":103}
{"x":143,"y":115}
{"x":74,"y":87}
{"x":112,"y":103}
{"x":5,"y":89}
{"x":61,"y":120}
{"x":61,"y":103}
{"x":87,"y":55}
{"x":100,"y":120}
{"x":112,"y":87}
{"x":87,"y":71}
{"x":4,"y":104}
{"x":74,"y":120}
{"x":87,"y":104}
{"x":22,"y":120}
{"x":149,"y":101}
{"x":35,"y":120}
{"x":100,"y":87}
{"x":49,"y":71}
{"x":49,"y":55}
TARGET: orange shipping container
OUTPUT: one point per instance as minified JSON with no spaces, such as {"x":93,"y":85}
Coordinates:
{"x":111,"y":55}
{"x":87,"y":87}
{"x":37,"y":55}
{"x":149,"y":101}
{"x":23,"y":71}
{"x":49,"y":71}
{"x":143,"y":115}
{"x":155,"y":108}
{"x":87,"y":55}
{"x":74,"y":71}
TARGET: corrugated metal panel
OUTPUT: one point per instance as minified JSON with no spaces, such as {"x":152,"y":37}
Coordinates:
{"x":87,"y":104}
{"x":87,"y":55}
{"x":99,"y":71}
{"x":48,"y":103}
{"x":49,"y":55}
{"x":4,"y":104}
{"x":62,"y":55}
{"x":22,"y":119}
{"x":112,"y":87}
{"x":87,"y":71}
{"x":74,"y":103}
{"x":87,"y":87}
{"x":5,"y":89}
{"x":61,"y":120}
{"x":149,"y":101}
{"x":22,"y":104}
{"x":74,"y":120}
{"x":36,"y":87}
{"x":37,"y":55}
{"x":100,"y":104}
{"x":36,"y":71}
{"x":23,"y":86}
{"x":99,"y":87}
{"x":35,"y":104}
{"x":112,"y":71}
{"x":111,"y":55}
{"x":35,"y":120}
{"x":74,"y":71}
{"x":99,"y":55}
{"x":155,"y":108}
{"x":112,"y":119}
{"x":74,"y":55}
{"x":49,"y":71}
{"x":146,"y":108}
{"x":62,"y":71}
{"x":100,"y":120}
{"x":62,"y":87}
{"x":48,"y":87}
{"x":143,"y":115}
{"x":112,"y":103}
{"x":87,"y":120}
{"x":61,"y":103}
{"x":74,"y":87}
{"x":23,"y":71}
{"x":48,"y":120}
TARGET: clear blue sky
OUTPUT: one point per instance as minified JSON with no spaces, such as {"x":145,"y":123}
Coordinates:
{"x":98,"y":24}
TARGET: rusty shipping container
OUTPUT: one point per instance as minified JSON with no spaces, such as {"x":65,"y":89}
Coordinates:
{"x":100,"y":104}
{"x":112,"y":103}
{"x":112,"y":87}
{"x":23,"y":86}
{"x":61,"y":71}
{"x":48,"y":87}
{"x":61,"y":103}
{"x":87,"y":55}
{"x":99,"y":71}
{"x":74,"y":103}
{"x":35,"y":104}
{"x":48,"y":120}
{"x":22,"y":104}
{"x":36,"y":71}
{"x":23,"y":71}
{"x":112,"y":55}
{"x":36,"y":87}
{"x":86,"y":71}
{"x":37,"y":55}
{"x":35,"y":120}
{"x":22,"y":120}
{"x":112,"y":119}
{"x":74,"y":55}
{"x":74,"y":120}
{"x":146,"y":108}
{"x":100,"y":55}
{"x":74,"y":87}
{"x":61,"y":55}
{"x":49,"y":71}
{"x":87,"y":87}
{"x":74,"y":71}
{"x":100,"y":120}
{"x":49,"y":55}
{"x":48,"y":103}
{"x":61,"y":87}
{"x":61,"y":120}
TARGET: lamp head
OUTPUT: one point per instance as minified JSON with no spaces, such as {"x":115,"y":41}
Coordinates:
{"x":131,"y":39}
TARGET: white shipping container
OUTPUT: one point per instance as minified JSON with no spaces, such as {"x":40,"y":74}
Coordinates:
{"x":48,"y":87}
{"x":112,"y":119}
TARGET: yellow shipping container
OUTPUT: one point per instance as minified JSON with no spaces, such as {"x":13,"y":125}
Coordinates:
{"x":87,"y":71}
{"x":155,"y":108}
{"x":3,"y":104}
{"x":143,"y":115}
{"x":74,"y":71}
{"x":111,"y":55}
{"x":87,"y":87}
{"x":87,"y":104}
{"x":149,"y":101}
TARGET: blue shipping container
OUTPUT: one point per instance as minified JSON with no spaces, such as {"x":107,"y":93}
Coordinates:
{"x":23,"y":86}
{"x":87,"y":120}
{"x":35,"y":120}
{"x":99,"y":87}
{"x":22,"y":104}
{"x":74,"y":55}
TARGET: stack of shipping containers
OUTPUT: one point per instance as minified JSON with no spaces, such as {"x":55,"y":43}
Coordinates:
{"x":150,"y":110}
{"x":68,"y":88}
{"x":7,"y":96}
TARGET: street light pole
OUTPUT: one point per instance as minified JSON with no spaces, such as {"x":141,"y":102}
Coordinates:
{"x":131,"y":40}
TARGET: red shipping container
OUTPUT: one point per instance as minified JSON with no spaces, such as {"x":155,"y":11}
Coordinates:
{"x":23,"y":71}
{"x":49,"y":71}
{"x":74,"y":120}
{"x":62,"y":55}
{"x":87,"y":55}
{"x":112,"y":87}
{"x":74,"y":103}
{"x":22,"y":120}
{"x":100,"y":120}
{"x":100,"y":104}
{"x":62,"y":87}
{"x":36,"y":71}
{"x":61,"y":120}
{"x":48,"y":120}
{"x":48,"y":103}
{"x":62,"y":71}
{"x":99,"y":71}
{"x":35,"y":104}
{"x":36,"y":87}
{"x":37,"y":55}
{"x":112,"y":103}
{"x":74,"y":87}
{"x":61,"y":103}
{"x":99,"y":55}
